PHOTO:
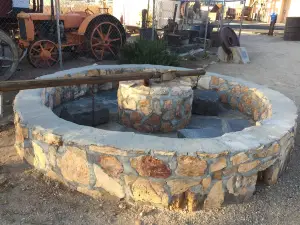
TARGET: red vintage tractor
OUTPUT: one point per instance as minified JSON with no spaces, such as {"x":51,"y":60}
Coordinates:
{"x":101,"y":35}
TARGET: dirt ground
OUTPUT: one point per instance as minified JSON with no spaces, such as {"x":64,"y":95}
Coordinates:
{"x":26,"y":197}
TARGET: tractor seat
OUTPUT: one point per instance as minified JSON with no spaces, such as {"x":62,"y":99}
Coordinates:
{"x":71,"y":20}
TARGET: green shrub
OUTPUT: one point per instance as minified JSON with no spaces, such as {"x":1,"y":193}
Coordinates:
{"x":148,"y":52}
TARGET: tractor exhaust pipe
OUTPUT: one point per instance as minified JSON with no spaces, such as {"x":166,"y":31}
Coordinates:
{"x":41,"y":6}
{"x":33,"y":6}
{"x":38,"y":6}
{"x":52,"y":10}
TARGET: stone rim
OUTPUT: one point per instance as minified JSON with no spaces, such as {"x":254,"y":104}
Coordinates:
{"x":271,"y":129}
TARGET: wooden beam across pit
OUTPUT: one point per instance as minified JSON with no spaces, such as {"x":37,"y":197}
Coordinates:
{"x":68,"y":81}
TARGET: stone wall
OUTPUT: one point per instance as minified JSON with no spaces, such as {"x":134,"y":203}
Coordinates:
{"x":162,"y":107}
{"x":187,"y":174}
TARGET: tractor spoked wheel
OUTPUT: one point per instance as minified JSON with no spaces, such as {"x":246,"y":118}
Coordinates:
{"x":105,"y":41}
{"x":43,"y":54}
{"x":9,"y":58}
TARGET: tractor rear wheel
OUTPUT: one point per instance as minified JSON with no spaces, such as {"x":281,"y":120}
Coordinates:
{"x":43,"y":54}
{"x":105,"y":40}
{"x":9,"y":56}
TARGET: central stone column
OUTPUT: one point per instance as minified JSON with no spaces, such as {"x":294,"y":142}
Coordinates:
{"x":161,"y":107}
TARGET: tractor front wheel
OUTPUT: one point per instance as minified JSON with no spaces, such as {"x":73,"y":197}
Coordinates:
{"x":105,"y":39}
{"x":43,"y":54}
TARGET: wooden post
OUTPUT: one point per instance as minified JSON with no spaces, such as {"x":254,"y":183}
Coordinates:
{"x":68,"y":81}
{"x":1,"y":104}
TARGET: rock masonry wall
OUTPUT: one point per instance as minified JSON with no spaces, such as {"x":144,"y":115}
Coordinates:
{"x":163,"y":107}
{"x":177,"y":174}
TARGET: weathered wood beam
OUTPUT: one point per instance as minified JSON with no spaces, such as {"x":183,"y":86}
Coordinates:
{"x":68,"y":81}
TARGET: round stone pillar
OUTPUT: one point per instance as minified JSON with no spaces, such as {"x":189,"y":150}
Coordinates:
{"x":161,"y":107}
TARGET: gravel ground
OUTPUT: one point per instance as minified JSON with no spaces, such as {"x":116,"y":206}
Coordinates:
{"x":26,"y":197}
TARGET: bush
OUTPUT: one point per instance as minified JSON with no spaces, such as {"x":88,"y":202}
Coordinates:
{"x":148,"y":52}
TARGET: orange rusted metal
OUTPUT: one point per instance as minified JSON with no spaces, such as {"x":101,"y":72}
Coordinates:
{"x":84,"y":25}
{"x":75,"y":25}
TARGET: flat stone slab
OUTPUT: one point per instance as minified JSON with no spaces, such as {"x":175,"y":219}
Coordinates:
{"x":207,"y":132}
{"x":198,"y":122}
{"x":206,"y":102}
{"x":85,"y":118}
{"x":237,"y":124}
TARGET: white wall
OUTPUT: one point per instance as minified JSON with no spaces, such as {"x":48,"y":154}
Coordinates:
{"x":294,"y":8}
{"x":130,"y":9}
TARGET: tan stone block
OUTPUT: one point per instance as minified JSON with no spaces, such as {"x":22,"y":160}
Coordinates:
{"x":39,"y":156}
{"x":217,"y":175}
{"x":234,"y":184}
{"x":206,"y":183}
{"x":129,"y":179}
{"x":49,"y":138}
{"x":109,"y":184}
{"x":107,"y":150}
{"x":129,"y":104}
{"x":52,"y":155}
{"x":92,"y":193}
{"x":249,"y":180}
{"x":74,"y":166}
{"x":19,"y":150}
{"x":190,"y":166}
{"x":243,"y":168}
{"x":215,"y":197}
{"x":111,"y":165}
{"x":145,"y":107}
{"x":16,"y":118}
{"x":218,"y":165}
{"x":54,"y":176}
{"x":263,"y":153}
{"x":76,"y":75}
{"x":194,"y":201}
{"x":230,"y":171}
{"x":178,"y":186}
{"x":177,"y":202}
{"x":150,"y":167}
{"x":203,"y":155}
{"x":19,"y":134}
{"x":271,"y":175}
{"x":148,"y":191}
{"x":92,"y":73}
{"x":239,"y":158}
{"x":164,"y":153}
{"x":266,"y":165}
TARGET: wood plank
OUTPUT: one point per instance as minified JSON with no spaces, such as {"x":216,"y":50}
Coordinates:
{"x":68,"y":81}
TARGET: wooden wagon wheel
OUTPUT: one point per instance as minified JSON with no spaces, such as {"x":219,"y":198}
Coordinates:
{"x":43,"y":53}
{"x":105,"y":40}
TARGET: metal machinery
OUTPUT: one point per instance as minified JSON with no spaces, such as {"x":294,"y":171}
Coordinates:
{"x":102,"y":35}
{"x":9,"y":55}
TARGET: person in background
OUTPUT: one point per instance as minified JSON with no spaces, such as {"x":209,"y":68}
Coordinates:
{"x":272,"y":24}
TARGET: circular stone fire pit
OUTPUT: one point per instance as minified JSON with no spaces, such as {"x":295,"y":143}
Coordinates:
{"x":177,"y":173}
{"x":161,"y":107}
